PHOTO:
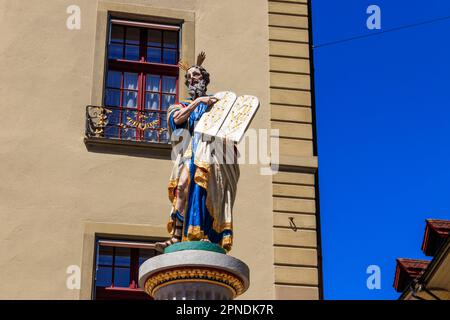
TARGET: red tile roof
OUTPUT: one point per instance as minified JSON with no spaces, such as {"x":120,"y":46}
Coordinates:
{"x":407,"y":270}
{"x":436,"y":231}
{"x":440,"y":226}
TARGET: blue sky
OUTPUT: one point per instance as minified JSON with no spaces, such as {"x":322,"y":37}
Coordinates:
{"x":383,"y":122}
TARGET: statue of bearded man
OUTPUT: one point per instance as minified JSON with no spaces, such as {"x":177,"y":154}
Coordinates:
{"x":202,"y":186}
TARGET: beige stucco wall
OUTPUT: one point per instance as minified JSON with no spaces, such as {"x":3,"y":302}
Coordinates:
{"x":52,"y":186}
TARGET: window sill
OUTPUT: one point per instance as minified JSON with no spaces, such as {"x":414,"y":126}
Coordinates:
{"x":129,"y":148}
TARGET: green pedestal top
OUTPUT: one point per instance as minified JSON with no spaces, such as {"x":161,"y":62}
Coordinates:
{"x":194,"y":245}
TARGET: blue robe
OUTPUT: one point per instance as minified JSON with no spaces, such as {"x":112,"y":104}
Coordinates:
{"x":198,"y":221}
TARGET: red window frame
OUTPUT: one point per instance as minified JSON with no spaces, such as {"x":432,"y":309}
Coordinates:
{"x":112,"y":292}
{"x":143,"y":68}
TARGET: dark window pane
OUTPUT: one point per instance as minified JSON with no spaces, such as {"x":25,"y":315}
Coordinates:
{"x":103,"y":277}
{"x":122,"y":256}
{"x":128,"y":133}
{"x":167,"y":101}
{"x":132,"y":53}
{"x":111,"y":132}
{"x":170,"y":39}
{"x":129,"y":99}
{"x":113,"y":117}
{"x":169,"y":84}
{"x":115,"y":51}
{"x":145,"y":254}
{"x":133,"y":35}
{"x":128,"y":117}
{"x":114,"y":79}
{"x":112,"y":97}
{"x":154,"y":38}
{"x":152,"y":101}
{"x":154,"y":55}
{"x":117,"y":33}
{"x":122,"y":277}
{"x":164,"y":137}
{"x":170,"y":56}
{"x":153,"y":82}
{"x":151,"y":135}
{"x":105,"y":255}
{"x":163,"y":122}
{"x":130,"y":81}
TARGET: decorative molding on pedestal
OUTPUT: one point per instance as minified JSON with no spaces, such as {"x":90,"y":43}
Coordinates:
{"x":194,"y":271}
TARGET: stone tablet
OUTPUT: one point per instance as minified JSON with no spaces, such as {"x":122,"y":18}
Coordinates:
{"x":212,"y":120}
{"x":239,"y":118}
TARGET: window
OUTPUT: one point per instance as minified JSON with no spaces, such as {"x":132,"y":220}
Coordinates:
{"x":117,"y":269}
{"x":141,"y":80}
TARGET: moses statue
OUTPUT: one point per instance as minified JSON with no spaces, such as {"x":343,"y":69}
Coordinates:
{"x":203,"y":182}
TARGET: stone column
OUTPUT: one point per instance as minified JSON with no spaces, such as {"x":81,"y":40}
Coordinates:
{"x":195,"y":270}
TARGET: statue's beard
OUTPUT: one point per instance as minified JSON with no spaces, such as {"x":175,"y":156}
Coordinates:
{"x":197,"y":90}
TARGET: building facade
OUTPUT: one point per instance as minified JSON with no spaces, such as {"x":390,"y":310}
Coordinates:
{"x":84,"y":191}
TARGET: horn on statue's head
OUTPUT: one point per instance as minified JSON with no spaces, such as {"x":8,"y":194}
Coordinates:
{"x":200,"y":58}
{"x":183,"y":65}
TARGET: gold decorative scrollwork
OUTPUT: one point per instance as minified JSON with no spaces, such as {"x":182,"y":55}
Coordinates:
{"x":141,"y":124}
{"x":100,"y":114}
{"x":210,"y":275}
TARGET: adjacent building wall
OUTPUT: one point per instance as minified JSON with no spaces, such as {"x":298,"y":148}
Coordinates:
{"x":295,"y":203}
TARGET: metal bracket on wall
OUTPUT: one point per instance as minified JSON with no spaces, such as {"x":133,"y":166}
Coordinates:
{"x":292,"y":224}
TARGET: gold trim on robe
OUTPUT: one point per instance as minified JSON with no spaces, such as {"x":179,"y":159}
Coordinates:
{"x":218,"y":179}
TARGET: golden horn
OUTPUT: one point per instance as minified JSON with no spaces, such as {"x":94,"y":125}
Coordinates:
{"x":183,"y":65}
{"x":200,"y":58}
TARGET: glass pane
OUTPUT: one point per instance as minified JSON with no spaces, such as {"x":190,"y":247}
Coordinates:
{"x":130,"y":81}
{"x":115,"y":51}
{"x":154,"y":55}
{"x":170,"y":56}
{"x":113,"y":117}
{"x":111,"y":132}
{"x":152,"y":101}
{"x":129,"y":132}
{"x":129,"y":99}
{"x":103,"y":277}
{"x":154,"y":38}
{"x":151,"y":135}
{"x":145,"y":254}
{"x":163,"y":121}
{"x":170,"y":39}
{"x":153,"y":82}
{"x":133,"y":35}
{"x":117,"y":33}
{"x":167,"y":101}
{"x":164,"y":137}
{"x":122,"y":277}
{"x":132,"y":53}
{"x":128,"y":117}
{"x":112,"y":97}
{"x":105,"y":255}
{"x":169,"y":84}
{"x":114,"y":79}
{"x":122,"y":257}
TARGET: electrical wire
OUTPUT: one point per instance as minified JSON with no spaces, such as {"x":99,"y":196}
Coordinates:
{"x":326,"y":44}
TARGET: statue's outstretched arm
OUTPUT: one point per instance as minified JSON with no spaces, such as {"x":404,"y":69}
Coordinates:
{"x":183,"y":114}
